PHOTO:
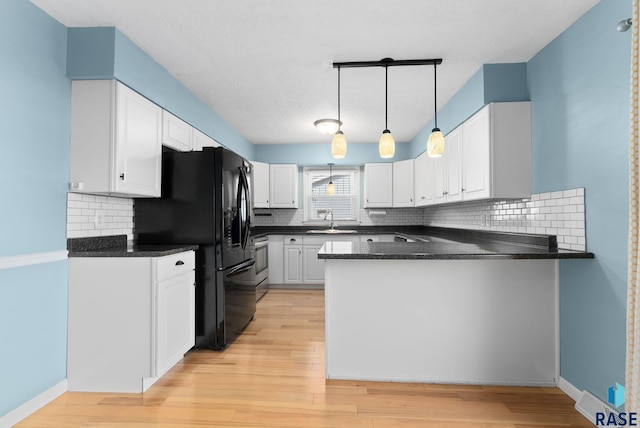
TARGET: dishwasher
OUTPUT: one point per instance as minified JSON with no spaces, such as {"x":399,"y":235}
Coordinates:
{"x":262,"y":266}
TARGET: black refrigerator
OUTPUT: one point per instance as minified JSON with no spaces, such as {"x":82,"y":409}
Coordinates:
{"x":206,"y":200}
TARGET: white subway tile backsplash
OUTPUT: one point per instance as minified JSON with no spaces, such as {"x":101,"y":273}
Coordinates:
{"x":81,"y":211}
{"x":559,"y":213}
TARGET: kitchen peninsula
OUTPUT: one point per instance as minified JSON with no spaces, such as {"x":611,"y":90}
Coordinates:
{"x":453,"y":307}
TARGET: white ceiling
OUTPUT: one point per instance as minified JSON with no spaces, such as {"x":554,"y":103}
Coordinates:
{"x":265,"y":66}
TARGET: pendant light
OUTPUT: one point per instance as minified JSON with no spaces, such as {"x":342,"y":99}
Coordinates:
{"x":435,"y":144}
{"x":386,"y":145}
{"x":339,"y":142}
{"x":330,"y":187}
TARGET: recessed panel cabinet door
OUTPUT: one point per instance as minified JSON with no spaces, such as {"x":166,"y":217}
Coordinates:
{"x":260,"y":185}
{"x":283,"y":185}
{"x":378,"y":185}
{"x":293,"y":264}
{"x":175,"y":320}
{"x":138,"y":144}
{"x":477,"y":156}
{"x":453,"y":158}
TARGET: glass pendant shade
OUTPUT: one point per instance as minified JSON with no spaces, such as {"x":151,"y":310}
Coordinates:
{"x":339,"y":145}
{"x":330,"y":188}
{"x":435,"y":144}
{"x":387,"y":146}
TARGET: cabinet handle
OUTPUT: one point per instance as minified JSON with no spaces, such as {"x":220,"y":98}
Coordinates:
{"x":463,"y":189}
{"x":122,"y":176}
{"x":410,"y":199}
{"x":445,"y":193}
{"x":179,"y":263}
{"x":292,"y":240}
{"x":369,"y":240}
{"x":422,"y":197}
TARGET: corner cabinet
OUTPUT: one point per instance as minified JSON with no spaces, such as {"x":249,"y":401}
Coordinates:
{"x":130,"y":320}
{"x":116,"y":140}
{"x":378,"y":185}
{"x":283,"y":185}
{"x":496,"y":152}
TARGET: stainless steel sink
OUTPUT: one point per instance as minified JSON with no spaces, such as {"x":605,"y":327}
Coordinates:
{"x":333,"y":231}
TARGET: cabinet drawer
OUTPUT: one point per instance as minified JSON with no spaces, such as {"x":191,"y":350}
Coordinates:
{"x":292,"y":239}
{"x":174,"y":265}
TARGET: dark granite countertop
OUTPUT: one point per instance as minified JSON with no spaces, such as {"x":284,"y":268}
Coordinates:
{"x":435,"y":243}
{"x":117,"y":246}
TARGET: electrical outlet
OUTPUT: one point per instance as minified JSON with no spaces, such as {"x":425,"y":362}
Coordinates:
{"x":98,"y":220}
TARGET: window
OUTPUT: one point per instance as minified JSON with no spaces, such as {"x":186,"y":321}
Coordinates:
{"x":344,"y":203}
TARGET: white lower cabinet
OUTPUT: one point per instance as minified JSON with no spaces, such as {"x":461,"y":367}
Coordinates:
{"x":130,"y":320}
{"x":292,"y":259}
{"x":299,"y":261}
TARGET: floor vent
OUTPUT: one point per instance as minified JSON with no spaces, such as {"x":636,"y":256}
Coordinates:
{"x":589,"y":405}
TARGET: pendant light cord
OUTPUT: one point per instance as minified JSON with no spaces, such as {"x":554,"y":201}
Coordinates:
{"x":435,"y":89}
{"x":386,"y":81}
{"x":339,"y":98}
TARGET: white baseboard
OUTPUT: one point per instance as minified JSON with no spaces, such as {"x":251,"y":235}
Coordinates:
{"x":33,"y":405}
{"x":566,"y":387}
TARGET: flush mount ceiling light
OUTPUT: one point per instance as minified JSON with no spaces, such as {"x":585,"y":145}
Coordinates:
{"x":330,"y":187}
{"x":386,"y":145}
{"x":327,"y":126}
{"x":435,"y":143}
{"x":339,"y":142}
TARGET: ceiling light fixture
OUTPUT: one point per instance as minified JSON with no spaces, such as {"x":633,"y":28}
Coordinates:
{"x":339,"y":142}
{"x":327,"y":126}
{"x":435,"y":143}
{"x":386,"y":145}
{"x":330,"y":187}
{"x":624,"y":25}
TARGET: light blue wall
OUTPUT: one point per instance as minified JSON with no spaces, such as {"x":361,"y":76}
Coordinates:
{"x":106,"y":53}
{"x":491,"y":83}
{"x":34,"y":172}
{"x":579,"y":87}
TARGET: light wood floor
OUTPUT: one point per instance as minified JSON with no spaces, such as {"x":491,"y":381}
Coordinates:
{"x":273,"y":376}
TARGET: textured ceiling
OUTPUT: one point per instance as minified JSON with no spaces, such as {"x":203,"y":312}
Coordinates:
{"x":266,"y":65}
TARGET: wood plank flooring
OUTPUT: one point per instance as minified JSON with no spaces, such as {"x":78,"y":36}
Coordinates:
{"x":273,"y":376}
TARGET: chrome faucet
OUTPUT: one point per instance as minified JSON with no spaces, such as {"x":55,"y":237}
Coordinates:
{"x":326,"y":213}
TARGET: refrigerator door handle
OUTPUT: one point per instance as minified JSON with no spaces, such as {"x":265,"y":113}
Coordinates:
{"x":241,"y":267}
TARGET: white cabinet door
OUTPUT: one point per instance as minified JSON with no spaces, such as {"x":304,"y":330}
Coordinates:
{"x":292,"y":264}
{"x":453,"y":158}
{"x":283,"y":185}
{"x":176,"y":133}
{"x":403,"y":183}
{"x":476,"y":156}
{"x":175,"y":315}
{"x":312,"y":267}
{"x":260,"y":184}
{"x":276,"y":259}
{"x":200,"y":140}
{"x":138,"y":147}
{"x":447,"y":170}
{"x":424,"y":172}
{"x":378,"y":185}
{"x":116,"y":145}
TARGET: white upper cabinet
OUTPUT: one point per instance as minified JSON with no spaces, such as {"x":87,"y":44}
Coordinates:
{"x":115,"y":140}
{"x":403,"y":183}
{"x":497,"y":152}
{"x":423,"y":187}
{"x":201,"y":140}
{"x":378,"y":185}
{"x":176,"y":133}
{"x":260,"y":184}
{"x":283,"y":185}
{"x":447,"y":178}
